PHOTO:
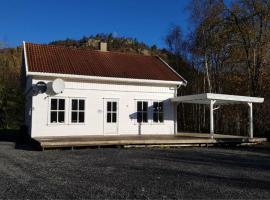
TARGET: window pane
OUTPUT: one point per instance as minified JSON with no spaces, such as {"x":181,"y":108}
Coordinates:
{"x":160,"y":107}
{"x":161,"y":117}
{"x":155,"y":106}
{"x":155,"y":117}
{"x":114,"y":106}
{"x":145,"y":105}
{"x":74,"y":118}
{"x":81,"y":117}
{"x":53,"y":117}
{"x":139,"y":117}
{"x":109,"y":117}
{"x":81,"y":104}
{"x":109,"y":106}
{"x":74,"y":104}
{"x":53,"y":104}
{"x":139,"y":106}
{"x":61,"y":117}
{"x":145,"y":118}
{"x":61,"y":104}
{"x":114,"y":117}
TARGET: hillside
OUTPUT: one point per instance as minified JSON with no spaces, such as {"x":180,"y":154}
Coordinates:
{"x":120,"y":44}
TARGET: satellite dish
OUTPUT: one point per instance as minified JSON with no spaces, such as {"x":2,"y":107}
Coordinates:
{"x":58,"y":86}
{"x":41,"y":87}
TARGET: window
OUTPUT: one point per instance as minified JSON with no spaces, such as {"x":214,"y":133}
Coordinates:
{"x":77,"y":110}
{"x":158,"y":112}
{"x":57,"y":112}
{"x":142,"y":115}
{"x":111,"y":112}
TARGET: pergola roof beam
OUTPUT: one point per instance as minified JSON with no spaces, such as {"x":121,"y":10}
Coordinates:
{"x":221,"y":99}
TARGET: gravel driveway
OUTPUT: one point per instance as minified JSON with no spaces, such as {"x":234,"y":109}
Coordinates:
{"x":142,"y":173}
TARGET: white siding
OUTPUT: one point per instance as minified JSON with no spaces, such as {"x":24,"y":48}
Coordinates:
{"x":94,"y":94}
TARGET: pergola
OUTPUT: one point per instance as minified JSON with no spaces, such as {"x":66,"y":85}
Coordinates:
{"x":212,"y":99}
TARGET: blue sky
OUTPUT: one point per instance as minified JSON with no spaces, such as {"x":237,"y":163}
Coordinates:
{"x":42,"y":21}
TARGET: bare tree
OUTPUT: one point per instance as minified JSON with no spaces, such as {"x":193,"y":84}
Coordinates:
{"x":250,"y":20}
{"x":176,"y":44}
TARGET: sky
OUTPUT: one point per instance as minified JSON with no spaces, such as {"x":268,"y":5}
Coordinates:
{"x":42,"y":21}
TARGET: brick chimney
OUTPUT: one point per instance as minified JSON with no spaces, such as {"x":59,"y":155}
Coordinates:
{"x":103,"y":46}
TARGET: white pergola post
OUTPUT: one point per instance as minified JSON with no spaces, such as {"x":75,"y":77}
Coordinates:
{"x":250,"y":120}
{"x":212,"y":102}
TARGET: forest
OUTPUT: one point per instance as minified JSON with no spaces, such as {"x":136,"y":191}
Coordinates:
{"x":225,"y":51}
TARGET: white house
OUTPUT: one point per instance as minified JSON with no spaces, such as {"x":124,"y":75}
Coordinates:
{"x":76,"y":92}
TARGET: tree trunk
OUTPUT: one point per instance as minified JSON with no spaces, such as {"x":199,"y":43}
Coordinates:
{"x":206,"y":66}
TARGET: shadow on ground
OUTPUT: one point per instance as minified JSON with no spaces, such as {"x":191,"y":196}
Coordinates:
{"x":20,"y":141}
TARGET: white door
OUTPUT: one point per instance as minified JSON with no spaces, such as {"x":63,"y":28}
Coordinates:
{"x":110,"y":116}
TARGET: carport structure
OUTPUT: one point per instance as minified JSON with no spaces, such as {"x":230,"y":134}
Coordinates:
{"x":217,"y":100}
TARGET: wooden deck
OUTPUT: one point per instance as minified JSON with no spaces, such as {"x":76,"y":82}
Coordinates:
{"x":182,"y":139}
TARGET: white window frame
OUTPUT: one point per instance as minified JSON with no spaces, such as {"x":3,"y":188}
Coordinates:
{"x":78,"y":111}
{"x":158,"y":122}
{"x":111,"y":111}
{"x":147,"y":112}
{"x":57,"y":111}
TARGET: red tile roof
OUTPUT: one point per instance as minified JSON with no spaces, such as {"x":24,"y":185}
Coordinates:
{"x":65,"y":60}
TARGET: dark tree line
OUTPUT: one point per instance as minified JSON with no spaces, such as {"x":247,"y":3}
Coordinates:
{"x":228,"y":48}
{"x":11,"y":94}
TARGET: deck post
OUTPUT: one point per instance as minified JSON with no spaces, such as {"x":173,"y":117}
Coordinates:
{"x":212,"y":102}
{"x":250,"y":120}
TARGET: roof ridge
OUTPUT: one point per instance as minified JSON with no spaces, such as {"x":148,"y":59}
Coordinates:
{"x":86,"y":49}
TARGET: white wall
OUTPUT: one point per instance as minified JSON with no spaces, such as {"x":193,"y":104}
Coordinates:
{"x":94,"y":93}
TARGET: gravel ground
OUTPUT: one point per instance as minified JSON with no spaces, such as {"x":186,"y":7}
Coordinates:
{"x":142,"y":173}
